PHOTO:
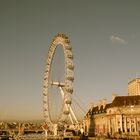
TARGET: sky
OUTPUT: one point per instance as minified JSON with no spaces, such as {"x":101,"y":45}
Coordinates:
{"x":105,"y":40}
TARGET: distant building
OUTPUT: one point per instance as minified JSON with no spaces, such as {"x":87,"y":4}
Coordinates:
{"x":117,"y":119}
{"x":134,"y":87}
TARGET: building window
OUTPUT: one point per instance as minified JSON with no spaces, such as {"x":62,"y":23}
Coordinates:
{"x":133,"y":129}
{"x":128,"y":130}
{"x":119,"y":130}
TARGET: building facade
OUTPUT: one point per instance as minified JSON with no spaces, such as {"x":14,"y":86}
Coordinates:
{"x":117,"y":119}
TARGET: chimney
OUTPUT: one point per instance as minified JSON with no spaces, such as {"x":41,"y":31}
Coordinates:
{"x":104,"y":103}
{"x":114,"y":96}
{"x":99,"y":104}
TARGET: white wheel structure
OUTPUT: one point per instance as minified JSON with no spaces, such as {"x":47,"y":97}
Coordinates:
{"x":66,"y":87}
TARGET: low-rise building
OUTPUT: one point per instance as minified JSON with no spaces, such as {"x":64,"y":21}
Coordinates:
{"x":119,"y":118}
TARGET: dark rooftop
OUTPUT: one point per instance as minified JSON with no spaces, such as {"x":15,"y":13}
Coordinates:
{"x":117,"y":102}
{"x":126,"y":101}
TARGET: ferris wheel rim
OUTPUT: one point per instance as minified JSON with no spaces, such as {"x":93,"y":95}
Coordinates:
{"x":62,"y":40}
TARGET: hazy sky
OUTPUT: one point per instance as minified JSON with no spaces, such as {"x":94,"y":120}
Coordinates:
{"x":105,"y":37}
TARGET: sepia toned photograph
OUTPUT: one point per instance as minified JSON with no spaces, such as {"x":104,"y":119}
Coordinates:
{"x":69,"y":69}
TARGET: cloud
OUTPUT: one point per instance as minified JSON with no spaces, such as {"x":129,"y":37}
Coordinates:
{"x":117,"y":40}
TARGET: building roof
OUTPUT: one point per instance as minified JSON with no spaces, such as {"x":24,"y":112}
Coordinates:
{"x":133,"y":80}
{"x":117,"y":102}
{"x":98,"y":110}
{"x":125,"y":101}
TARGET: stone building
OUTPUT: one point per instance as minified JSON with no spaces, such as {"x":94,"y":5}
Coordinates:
{"x":121,"y":117}
{"x":134,"y":87}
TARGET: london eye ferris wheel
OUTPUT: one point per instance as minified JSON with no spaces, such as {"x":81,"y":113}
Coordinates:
{"x":63,"y":87}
